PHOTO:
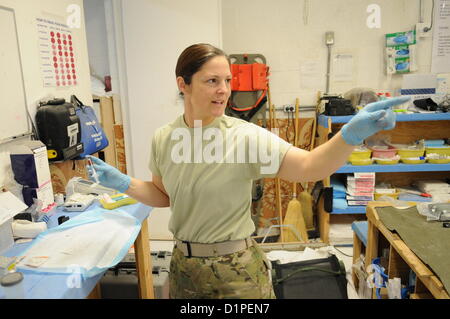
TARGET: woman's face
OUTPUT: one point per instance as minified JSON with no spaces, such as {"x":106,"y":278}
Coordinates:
{"x":210,"y":89}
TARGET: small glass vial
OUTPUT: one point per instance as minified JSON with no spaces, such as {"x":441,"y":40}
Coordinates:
{"x":12,"y":284}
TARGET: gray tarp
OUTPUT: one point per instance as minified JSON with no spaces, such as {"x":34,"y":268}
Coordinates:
{"x":428,"y":240}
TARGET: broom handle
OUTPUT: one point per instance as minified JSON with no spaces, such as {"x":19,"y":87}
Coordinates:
{"x":294,"y":185}
{"x":277,"y":180}
{"x":313,"y":139}
{"x":296,"y":122}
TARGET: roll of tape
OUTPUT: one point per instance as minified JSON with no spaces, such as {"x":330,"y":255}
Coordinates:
{"x":26,"y":229}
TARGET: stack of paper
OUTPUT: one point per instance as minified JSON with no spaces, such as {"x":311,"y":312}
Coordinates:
{"x":360,"y":188}
{"x":440,"y":190}
{"x":433,"y":186}
{"x":341,"y":233}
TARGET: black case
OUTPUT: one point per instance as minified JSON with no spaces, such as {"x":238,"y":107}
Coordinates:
{"x":339,"y":106}
{"x":314,"y":282}
{"x":59,"y":129}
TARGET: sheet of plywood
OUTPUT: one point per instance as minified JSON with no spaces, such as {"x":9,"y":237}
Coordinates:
{"x":107,"y":115}
{"x":117,"y":109}
{"x":121,"y":160}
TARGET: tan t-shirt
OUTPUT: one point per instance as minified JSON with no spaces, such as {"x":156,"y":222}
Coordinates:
{"x":208,"y":173}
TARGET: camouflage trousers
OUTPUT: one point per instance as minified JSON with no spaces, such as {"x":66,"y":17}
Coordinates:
{"x":241,"y":275}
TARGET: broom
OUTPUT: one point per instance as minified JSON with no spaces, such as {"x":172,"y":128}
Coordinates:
{"x":294,"y":214}
{"x":305,"y":196}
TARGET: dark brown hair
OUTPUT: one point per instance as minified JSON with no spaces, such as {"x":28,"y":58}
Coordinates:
{"x":193,"y":58}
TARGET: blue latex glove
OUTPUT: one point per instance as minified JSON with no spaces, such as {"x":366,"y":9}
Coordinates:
{"x":372,"y":118}
{"x":109,"y":176}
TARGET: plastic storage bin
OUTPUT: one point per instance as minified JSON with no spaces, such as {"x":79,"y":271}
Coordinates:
{"x":365,"y":161}
{"x":388,"y":161}
{"x":439,"y":161}
{"x":377,"y":196}
{"x":380,"y":152}
{"x":408,"y":153}
{"x":413,"y":160}
{"x":360,"y":154}
{"x":442,"y":150}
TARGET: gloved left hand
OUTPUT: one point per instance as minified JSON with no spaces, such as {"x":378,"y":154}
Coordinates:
{"x":372,"y":118}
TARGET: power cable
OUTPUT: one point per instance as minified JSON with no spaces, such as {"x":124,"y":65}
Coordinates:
{"x":337,"y":273}
{"x":426,"y":29}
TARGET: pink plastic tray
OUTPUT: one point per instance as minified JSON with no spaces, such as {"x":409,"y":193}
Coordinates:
{"x":384,"y":153}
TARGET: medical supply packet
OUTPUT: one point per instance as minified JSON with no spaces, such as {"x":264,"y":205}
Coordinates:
{"x":92,"y":242}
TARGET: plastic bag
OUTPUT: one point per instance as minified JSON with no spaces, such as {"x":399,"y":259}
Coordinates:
{"x":361,"y":96}
{"x":93,"y":137}
{"x":435,"y":211}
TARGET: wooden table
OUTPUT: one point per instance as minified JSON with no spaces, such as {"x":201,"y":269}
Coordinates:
{"x":143,"y":266}
{"x":401,"y":258}
{"x":38,"y":285}
{"x":143,"y":263}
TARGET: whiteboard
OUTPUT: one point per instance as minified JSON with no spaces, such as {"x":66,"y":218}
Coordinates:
{"x":13,"y":105}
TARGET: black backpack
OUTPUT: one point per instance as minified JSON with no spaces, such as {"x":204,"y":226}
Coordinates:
{"x":59,"y":129}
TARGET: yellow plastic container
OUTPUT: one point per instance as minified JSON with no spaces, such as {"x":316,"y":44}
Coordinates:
{"x":118,"y":200}
{"x":378,"y":195}
{"x":439,"y":161}
{"x":360,"y":155}
{"x":407,"y":153}
{"x":412,"y":161}
{"x":387,"y":161}
{"x":365,"y":161}
{"x":444,"y":150}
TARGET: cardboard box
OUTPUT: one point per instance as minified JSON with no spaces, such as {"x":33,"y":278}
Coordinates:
{"x":29,"y":163}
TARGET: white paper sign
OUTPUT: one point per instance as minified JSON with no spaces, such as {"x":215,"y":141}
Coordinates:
{"x":10,"y":206}
{"x":342,"y":68}
{"x":441,"y":37}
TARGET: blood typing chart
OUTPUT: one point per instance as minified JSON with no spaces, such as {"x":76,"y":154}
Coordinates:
{"x":57,"y":54}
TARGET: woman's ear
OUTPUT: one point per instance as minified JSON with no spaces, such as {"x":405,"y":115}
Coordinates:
{"x":182,"y":86}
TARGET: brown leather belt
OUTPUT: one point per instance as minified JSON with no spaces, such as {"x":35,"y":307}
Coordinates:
{"x":190,"y":249}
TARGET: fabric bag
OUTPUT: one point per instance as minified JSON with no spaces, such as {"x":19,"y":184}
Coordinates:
{"x":93,"y":137}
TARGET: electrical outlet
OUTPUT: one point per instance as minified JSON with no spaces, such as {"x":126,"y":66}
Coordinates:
{"x":329,"y":38}
{"x":422,"y":30}
{"x":288,"y":108}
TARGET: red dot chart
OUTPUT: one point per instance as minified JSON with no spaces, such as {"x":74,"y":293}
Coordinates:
{"x":57,"y":54}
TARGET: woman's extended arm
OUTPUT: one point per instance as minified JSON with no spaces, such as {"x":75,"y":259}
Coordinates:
{"x":302,"y":166}
{"x":150,"y":193}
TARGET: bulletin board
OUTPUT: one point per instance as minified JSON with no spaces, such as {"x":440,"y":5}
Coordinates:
{"x":13,"y":106}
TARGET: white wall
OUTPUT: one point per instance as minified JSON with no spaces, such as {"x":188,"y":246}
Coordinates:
{"x":154,"y":33}
{"x":290,"y":33}
{"x":26,"y":12}
{"x":94,"y":11}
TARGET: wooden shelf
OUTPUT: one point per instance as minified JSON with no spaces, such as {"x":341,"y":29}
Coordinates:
{"x":401,"y":258}
{"x":395,"y":168}
{"x":409,"y":128}
{"x":414,"y":117}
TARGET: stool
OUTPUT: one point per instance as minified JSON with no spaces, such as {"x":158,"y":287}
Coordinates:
{"x":360,"y":229}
